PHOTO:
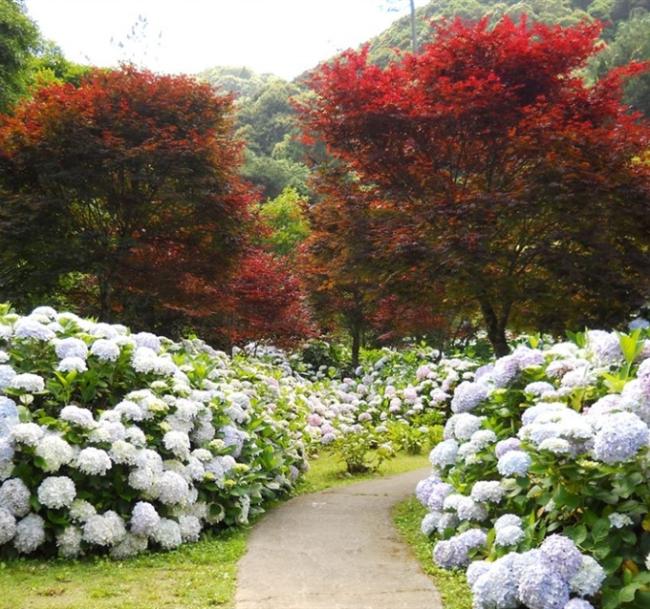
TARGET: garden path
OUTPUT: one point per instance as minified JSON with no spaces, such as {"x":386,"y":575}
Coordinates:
{"x":337,"y":549}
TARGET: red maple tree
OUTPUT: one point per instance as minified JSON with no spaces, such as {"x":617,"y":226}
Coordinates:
{"x":129,"y":184}
{"x":506,"y":178}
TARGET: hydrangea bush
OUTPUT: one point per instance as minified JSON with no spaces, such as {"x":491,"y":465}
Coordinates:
{"x":116,"y":442}
{"x":541,"y":486}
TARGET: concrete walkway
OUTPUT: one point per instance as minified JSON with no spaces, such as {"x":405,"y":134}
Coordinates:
{"x":336,"y":549}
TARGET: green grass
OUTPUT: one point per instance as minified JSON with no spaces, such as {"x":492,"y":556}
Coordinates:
{"x":196,"y":576}
{"x":452,"y":586}
{"x":328,"y":471}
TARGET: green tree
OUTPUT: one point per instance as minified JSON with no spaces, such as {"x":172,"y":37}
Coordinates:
{"x":285,"y":218}
{"x":631,"y":43}
{"x":18,"y":41}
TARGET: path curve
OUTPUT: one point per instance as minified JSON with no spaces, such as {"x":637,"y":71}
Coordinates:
{"x":337,"y":549}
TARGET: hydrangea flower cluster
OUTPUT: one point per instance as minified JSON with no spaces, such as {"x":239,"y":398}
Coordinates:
{"x":137,"y":442}
{"x":539,"y":441}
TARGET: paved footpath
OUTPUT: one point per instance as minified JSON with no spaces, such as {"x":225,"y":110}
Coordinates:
{"x":336,"y":549}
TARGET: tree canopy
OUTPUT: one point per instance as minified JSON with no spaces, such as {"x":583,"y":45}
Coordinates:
{"x":507,"y":175}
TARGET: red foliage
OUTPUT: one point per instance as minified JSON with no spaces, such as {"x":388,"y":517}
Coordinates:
{"x":505,"y":178}
{"x":132,"y":180}
{"x":266,"y":301}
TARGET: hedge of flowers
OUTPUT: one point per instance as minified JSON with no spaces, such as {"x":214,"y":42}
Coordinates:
{"x":113,"y":442}
{"x":541,"y":487}
{"x":393,"y":403}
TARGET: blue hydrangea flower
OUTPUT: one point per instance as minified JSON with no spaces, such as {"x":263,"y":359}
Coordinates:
{"x":430,"y":523}
{"x":578,"y":603}
{"x":468,"y":396}
{"x":514,"y":463}
{"x":543,"y":587}
{"x":423,"y":488}
{"x":487,"y":491}
{"x":444,"y":454}
{"x":497,"y":588}
{"x":438,"y":494}
{"x":450,"y":554}
{"x":562,"y":554}
{"x":475,"y":570}
{"x":507,"y":520}
{"x":506,"y":445}
{"x":508,"y":536}
{"x":468,"y":509}
{"x":589,"y":578}
{"x":620,"y":437}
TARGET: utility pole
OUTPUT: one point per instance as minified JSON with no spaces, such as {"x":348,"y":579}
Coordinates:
{"x":414,"y":32}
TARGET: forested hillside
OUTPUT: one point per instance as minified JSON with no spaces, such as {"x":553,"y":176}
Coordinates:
{"x":266,"y":119}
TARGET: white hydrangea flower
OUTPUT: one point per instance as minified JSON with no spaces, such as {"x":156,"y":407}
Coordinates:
{"x":14,"y":497}
{"x":30,"y":534}
{"x":70,"y":347}
{"x":7,"y":375}
{"x":81,"y":417}
{"x":93,"y":461}
{"x":171,"y":488}
{"x":105,"y":529}
{"x":144,"y":519}
{"x":618,"y":521}
{"x":135,"y":436}
{"x":32,"y":383}
{"x":487,"y":491}
{"x":68,"y":542}
{"x":81,"y":510}
{"x":7,"y":526}
{"x":190,"y":528}
{"x":72,"y":364}
{"x":57,"y":492}
{"x":142,"y":479}
{"x":44,"y":311}
{"x":123,"y":452}
{"x":130,"y":546}
{"x":144,"y":360}
{"x":146,"y":339}
{"x":129,"y":410}
{"x":177,"y":443}
{"x":167,"y":534}
{"x":32,"y":329}
{"x":29,"y":434}
{"x":55,"y":452}
{"x":507,"y":536}
{"x":105,"y":350}
{"x":5,"y":332}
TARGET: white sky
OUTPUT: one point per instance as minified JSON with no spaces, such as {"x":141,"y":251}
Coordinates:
{"x":284,"y":37}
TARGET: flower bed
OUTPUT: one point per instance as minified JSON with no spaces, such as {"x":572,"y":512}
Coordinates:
{"x":540,"y":488}
{"x":115,"y":442}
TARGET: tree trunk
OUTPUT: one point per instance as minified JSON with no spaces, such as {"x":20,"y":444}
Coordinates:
{"x":496,"y":329}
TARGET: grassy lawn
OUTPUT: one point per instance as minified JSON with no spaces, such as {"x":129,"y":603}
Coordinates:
{"x":451,"y":584}
{"x":327,"y":471}
{"x":196,"y":576}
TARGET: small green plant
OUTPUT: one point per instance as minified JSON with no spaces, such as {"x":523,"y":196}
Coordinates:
{"x":361,"y":452}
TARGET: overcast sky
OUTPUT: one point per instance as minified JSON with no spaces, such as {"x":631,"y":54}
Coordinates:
{"x":284,"y":37}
